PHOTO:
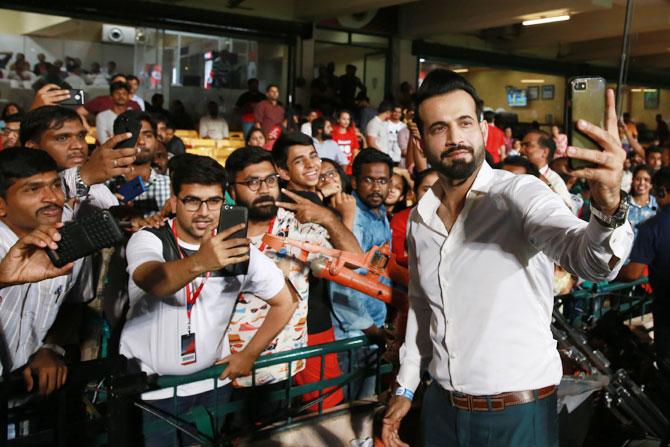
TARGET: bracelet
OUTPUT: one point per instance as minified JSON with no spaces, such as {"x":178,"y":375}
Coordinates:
{"x":404,"y":392}
{"x":54,"y":348}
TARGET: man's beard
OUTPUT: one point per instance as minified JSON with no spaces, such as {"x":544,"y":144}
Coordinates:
{"x":144,"y":156}
{"x":458,"y":169}
{"x":262,"y":213}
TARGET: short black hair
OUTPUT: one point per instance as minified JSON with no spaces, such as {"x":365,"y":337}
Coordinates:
{"x":38,"y":121}
{"x":5,"y":110}
{"x":341,"y":111}
{"x":319,"y":124}
{"x":518,"y":160}
{"x":385,"y":106}
{"x":132,"y":77}
{"x":653,"y":149}
{"x":645,"y":168}
{"x":440,"y":82}
{"x":118,"y":75}
{"x":545,"y":140}
{"x":420,"y":176}
{"x":243,"y":157}
{"x":284,"y":142}
{"x":368,"y":156}
{"x":252,"y":131}
{"x":114,"y":86}
{"x":22,"y":162}
{"x":13,"y":118}
{"x":196,"y":169}
{"x":344,"y":178}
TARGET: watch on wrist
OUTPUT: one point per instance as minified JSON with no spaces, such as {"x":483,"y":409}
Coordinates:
{"x":54,"y":348}
{"x":618,"y":218}
{"x":82,"y":188}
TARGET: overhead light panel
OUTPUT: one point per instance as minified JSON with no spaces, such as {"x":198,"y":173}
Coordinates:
{"x":460,"y":70}
{"x":532,"y":81}
{"x":636,"y":90}
{"x":422,"y":60}
{"x":544,"y":20}
{"x":650,"y":90}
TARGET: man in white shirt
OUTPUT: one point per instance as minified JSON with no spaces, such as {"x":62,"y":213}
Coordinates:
{"x":180,"y":300}
{"x":212,"y":125}
{"x":104,"y":121}
{"x":31,"y":206}
{"x":306,"y":127}
{"x":539,"y":147}
{"x":394,"y":125}
{"x":134,"y":84}
{"x":326,"y":147}
{"x":482,"y":244}
{"x":376,"y":132}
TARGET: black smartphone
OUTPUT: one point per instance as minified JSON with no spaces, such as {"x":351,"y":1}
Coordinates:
{"x":587,"y":102}
{"x":76,"y":98}
{"x":230,"y":216}
{"x":85,"y":236}
{"x":127,"y":123}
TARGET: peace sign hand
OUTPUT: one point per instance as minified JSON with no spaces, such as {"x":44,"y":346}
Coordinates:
{"x":305,"y":210}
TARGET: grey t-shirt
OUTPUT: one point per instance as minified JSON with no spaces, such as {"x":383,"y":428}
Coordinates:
{"x":377,"y":129}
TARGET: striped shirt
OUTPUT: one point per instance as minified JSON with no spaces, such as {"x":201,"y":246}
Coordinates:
{"x":27,"y":311}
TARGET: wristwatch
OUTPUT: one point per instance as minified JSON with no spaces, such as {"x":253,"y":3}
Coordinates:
{"x":82,"y":188}
{"x":54,"y":348}
{"x":618,"y":218}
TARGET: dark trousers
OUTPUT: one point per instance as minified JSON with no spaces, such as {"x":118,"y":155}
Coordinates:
{"x":662,"y":343}
{"x":533,"y":424}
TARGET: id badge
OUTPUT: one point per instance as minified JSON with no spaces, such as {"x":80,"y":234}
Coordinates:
{"x":188,"y":349}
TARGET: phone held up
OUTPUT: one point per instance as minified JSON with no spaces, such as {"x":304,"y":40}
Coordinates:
{"x":231,"y":216}
{"x":587,"y":102}
{"x":127,"y":122}
{"x":76,"y":98}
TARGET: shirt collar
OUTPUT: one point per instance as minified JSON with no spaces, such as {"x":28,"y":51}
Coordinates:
{"x":363,"y":207}
{"x":430,"y":202}
{"x":544,"y":170}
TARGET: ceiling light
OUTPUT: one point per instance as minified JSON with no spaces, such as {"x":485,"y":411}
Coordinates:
{"x":544,"y":20}
{"x":653,"y":90}
{"x":460,"y":70}
{"x":532,"y":81}
{"x":422,"y":60}
{"x":636,"y":90}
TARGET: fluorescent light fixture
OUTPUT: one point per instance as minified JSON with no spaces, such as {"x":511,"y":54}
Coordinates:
{"x":650,"y":90}
{"x":422,"y":60}
{"x":532,"y":81}
{"x":636,"y":90}
{"x":460,"y":70}
{"x":544,"y":20}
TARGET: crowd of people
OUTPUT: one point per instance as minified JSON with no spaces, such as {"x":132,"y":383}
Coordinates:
{"x":345,"y":176}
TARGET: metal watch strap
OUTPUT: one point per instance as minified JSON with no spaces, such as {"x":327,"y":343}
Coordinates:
{"x":618,"y":218}
{"x":82,"y":188}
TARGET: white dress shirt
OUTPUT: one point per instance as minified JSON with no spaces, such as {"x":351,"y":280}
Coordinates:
{"x":214,"y":128}
{"x":481,"y":294}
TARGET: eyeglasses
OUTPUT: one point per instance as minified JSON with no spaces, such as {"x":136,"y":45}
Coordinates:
{"x":380,"y":181}
{"x":254,"y":184}
{"x":194,"y":203}
{"x":328,"y":175}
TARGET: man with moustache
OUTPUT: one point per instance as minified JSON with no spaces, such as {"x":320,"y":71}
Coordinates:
{"x":157,"y":186}
{"x":482,"y":244}
{"x":31,"y":208}
{"x":254,"y":184}
{"x":355,"y":313}
{"x":10,"y":133}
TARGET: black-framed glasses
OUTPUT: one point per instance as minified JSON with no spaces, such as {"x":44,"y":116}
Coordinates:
{"x":192,"y":203}
{"x":328,"y":175}
{"x":382,"y":181}
{"x":254,"y":183}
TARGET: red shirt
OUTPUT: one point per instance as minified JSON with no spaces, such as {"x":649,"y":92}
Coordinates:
{"x":102,"y":103}
{"x":495,"y":139}
{"x":347,"y":141}
{"x":399,"y":236}
{"x":268,"y":115}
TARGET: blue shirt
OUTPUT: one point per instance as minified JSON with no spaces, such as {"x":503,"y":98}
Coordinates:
{"x":638,"y":214}
{"x":354,"y":311}
{"x":652,"y":247}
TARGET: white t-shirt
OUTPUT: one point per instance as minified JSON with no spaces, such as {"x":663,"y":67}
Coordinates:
{"x":377,"y":129}
{"x":214,"y":128}
{"x":306,"y":128}
{"x":104,"y":125}
{"x":395,"y":151}
{"x":155,"y":326}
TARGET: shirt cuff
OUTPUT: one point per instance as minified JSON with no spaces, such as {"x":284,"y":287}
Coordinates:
{"x":409,"y":375}
{"x":617,"y":241}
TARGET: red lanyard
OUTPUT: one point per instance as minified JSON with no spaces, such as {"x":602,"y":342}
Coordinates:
{"x":191,"y":297}
{"x":261,"y":248}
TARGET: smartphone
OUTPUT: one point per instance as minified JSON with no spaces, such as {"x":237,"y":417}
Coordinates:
{"x":231,"y":216}
{"x":85,"y":236}
{"x":76,"y":98}
{"x":587,"y":102}
{"x":127,"y":123}
{"x":131,"y":189}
